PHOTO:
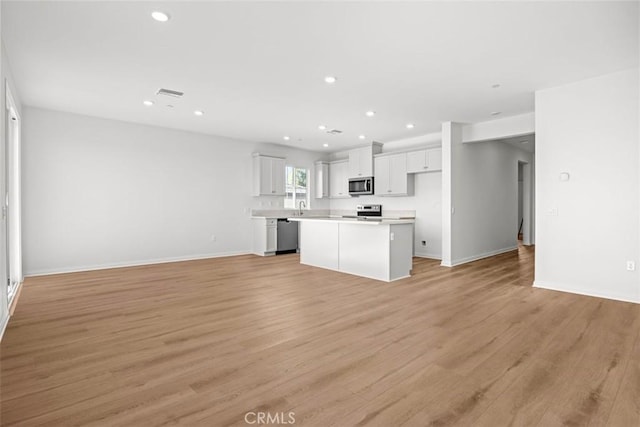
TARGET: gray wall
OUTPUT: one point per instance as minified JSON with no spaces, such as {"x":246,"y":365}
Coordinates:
{"x":485,"y":198}
{"x":100,"y":193}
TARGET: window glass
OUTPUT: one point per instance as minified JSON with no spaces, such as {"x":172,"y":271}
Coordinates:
{"x":296,"y":187}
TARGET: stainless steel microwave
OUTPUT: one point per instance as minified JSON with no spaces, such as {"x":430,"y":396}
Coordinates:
{"x":360,"y":186}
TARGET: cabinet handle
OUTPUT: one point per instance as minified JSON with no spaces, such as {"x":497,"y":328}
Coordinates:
{"x":388,"y":191}
{"x":426,"y":167}
{"x":273,"y":191}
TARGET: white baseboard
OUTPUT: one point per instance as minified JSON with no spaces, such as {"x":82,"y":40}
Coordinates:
{"x":427,"y":255}
{"x":78,"y":269}
{"x":265,"y":254}
{"x":3,"y":326}
{"x":560,"y":287}
{"x":479,"y":256}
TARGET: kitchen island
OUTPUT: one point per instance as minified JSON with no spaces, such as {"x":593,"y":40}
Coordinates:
{"x":380,"y":249}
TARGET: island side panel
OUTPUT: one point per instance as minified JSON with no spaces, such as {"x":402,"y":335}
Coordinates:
{"x":401,"y":251}
{"x":364,"y":250}
{"x":318,"y":243}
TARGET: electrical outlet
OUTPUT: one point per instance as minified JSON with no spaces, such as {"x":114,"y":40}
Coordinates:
{"x":424,"y":243}
{"x":631,"y":266}
{"x":213,"y":237}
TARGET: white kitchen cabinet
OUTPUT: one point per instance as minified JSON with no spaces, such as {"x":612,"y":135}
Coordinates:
{"x":268,"y":175}
{"x":320,"y":240}
{"x":338,"y":180}
{"x":361,"y":161}
{"x":265,"y":236}
{"x":428,"y":160}
{"x":378,"y":250}
{"x":434,"y":159}
{"x":391,"y":177}
{"x":322,"y":180}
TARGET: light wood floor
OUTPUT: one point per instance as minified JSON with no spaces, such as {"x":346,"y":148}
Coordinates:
{"x":204,"y":342}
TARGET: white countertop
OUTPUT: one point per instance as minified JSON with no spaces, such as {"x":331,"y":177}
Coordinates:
{"x":382,"y":221}
{"x":326,"y":213}
{"x":290,"y":216}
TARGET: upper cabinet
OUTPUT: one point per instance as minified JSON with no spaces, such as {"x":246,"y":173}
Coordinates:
{"x":322,"y":180}
{"x":391,"y":176}
{"x":361,"y":160}
{"x":338,"y":181}
{"x":428,"y":160}
{"x":268,"y":175}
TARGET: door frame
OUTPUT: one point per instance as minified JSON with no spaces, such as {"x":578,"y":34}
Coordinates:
{"x":12,"y":196}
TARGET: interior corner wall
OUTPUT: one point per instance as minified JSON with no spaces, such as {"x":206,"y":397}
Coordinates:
{"x":588,"y":227}
{"x":104,"y":193}
{"x":484,"y":192}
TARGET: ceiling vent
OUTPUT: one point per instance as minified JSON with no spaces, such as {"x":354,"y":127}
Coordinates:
{"x":169,"y":92}
{"x":334,"y":132}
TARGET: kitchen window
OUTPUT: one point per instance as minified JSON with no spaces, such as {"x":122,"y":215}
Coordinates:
{"x":296,"y":187}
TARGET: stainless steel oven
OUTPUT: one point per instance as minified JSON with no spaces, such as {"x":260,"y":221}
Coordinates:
{"x":360,"y":186}
{"x":368,"y":211}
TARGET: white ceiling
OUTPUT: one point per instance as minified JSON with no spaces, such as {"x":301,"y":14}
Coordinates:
{"x":523,"y":142}
{"x":257,"y":68}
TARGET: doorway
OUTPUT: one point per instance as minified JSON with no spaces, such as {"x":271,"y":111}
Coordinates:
{"x":525,"y":203}
{"x":520,"y":201}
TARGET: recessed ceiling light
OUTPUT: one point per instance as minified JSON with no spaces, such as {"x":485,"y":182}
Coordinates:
{"x":322,"y":127}
{"x":325,"y":145}
{"x":361,"y":136}
{"x":495,"y":113}
{"x":199,"y":113}
{"x":286,"y":138}
{"x":410,"y":126}
{"x":330,"y":79}
{"x":496,"y":86}
{"x":148,"y":103}
{"x":524,"y":141}
{"x":160,"y":16}
{"x":370,"y":113}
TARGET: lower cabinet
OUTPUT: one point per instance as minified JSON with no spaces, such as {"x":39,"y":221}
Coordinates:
{"x":265,"y":236}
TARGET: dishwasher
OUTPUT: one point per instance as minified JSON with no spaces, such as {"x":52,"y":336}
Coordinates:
{"x":287,"y":236}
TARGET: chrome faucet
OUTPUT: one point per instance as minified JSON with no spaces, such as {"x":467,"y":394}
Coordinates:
{"x":300,"y":205}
